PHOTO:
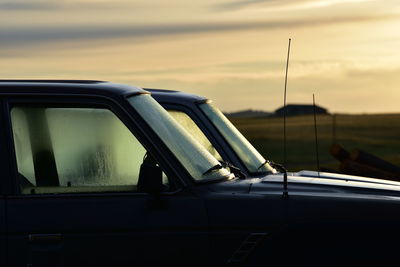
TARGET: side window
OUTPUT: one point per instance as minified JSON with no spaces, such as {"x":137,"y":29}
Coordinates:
{"x":66,"y":150}
{"x":192,"y":128}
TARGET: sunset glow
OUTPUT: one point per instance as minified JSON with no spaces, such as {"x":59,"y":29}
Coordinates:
{"x":232,"y":51}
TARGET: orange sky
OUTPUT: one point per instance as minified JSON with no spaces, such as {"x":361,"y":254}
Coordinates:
{"x":232,"y":51}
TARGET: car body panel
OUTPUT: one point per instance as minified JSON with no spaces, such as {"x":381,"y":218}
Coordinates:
{"x":105,"y":230}
{"x":316,"y":221}
{"x":338,"y":182}
{"x":3,"y":231}
{"x":60,"y":87}
{"x":359,"y":215}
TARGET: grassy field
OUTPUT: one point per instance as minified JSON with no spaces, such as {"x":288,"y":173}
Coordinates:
{"x":377,"y":134}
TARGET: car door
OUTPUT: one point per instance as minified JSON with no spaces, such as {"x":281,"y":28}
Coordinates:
{"x":3,"y":229}
{"x":76,"y":201}
{"x":4,"y":166}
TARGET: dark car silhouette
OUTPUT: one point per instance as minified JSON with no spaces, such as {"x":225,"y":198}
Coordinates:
{"x":99,"y":174}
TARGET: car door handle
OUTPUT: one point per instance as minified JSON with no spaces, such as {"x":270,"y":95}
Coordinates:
{"x":45,"y":238}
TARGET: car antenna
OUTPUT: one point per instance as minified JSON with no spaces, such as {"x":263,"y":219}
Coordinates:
{"x":316,"y":135}
{"x":285,"y":180}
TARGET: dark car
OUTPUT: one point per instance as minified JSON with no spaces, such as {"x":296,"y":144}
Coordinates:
{"x":82,"y":183}
{"x":99,"y":174}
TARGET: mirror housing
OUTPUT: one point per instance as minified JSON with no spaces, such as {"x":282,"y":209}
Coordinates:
{"x":150,"y":177}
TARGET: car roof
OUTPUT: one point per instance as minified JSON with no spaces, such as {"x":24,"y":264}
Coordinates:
{"x":67,"y":87}
{"x":175,"y":97}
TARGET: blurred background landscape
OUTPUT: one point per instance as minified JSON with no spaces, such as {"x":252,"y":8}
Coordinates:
{"x":377,"y":134}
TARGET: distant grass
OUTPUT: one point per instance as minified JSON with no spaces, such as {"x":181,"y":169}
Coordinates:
{"x":377,"y":134}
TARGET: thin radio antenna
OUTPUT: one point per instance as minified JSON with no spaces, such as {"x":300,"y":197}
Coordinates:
{"x":316,"y":134}
{"x":285,"y":181}
{"x":284,"y":105}
{"x":333,"y":129}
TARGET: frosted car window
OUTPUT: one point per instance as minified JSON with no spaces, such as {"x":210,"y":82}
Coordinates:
{"x":194,"y":157}
{"x":60,"y":150}
{"x":246,"y":152}
{"x":192,"y":128}
{"x":23,"y":150}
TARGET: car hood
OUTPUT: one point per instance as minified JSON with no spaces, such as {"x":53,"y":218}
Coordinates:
{"x":327,"y":183}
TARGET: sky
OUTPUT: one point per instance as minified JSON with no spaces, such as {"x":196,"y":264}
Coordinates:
{"x":346,"y":52}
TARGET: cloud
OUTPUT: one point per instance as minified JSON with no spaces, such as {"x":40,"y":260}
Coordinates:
{"x":247,"y":3}
{"x":283,"y":3}
{"x":27,"y":36}
{"x":303,"y":71}
{"x":26,"y":5}
{"x":75,"y":5}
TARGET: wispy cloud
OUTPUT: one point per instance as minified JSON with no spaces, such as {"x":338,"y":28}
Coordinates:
{"x":78,"y":5}
{"x":300,"y":4}
{"x":248,"y":3}
{"x":27,"y":36}
{"x":32,"y":5}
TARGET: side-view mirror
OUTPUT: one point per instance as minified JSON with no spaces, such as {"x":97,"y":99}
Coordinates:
{"x":150,"y":176}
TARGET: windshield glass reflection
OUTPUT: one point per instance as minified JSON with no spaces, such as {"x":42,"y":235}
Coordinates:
{"x":250,"y":157}
{"x":192,"y":155}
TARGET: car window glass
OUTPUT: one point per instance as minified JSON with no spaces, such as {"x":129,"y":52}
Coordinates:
{"x":199,"y":163}
{"x":253,"y":160}
{"x":192,"y":128}
{"x":62,"y":150}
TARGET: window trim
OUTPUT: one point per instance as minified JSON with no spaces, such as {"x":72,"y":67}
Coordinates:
{"x":5,"y":147}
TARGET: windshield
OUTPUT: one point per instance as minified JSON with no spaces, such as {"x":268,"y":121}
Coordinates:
{"x":197,"y":161}
{"x":251,"y":158}
{"x":192,"y":128}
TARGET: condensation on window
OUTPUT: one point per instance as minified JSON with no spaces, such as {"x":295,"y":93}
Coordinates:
{"x":192,"y":128}
{"x":253,"y":160}
{"x":22,"y":143}
{"x":193,"y":156}
{"x":90,"y":147}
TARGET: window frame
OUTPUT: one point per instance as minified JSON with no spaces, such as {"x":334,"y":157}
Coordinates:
{"x":5,"y":159}
{"x":83,"y":101}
